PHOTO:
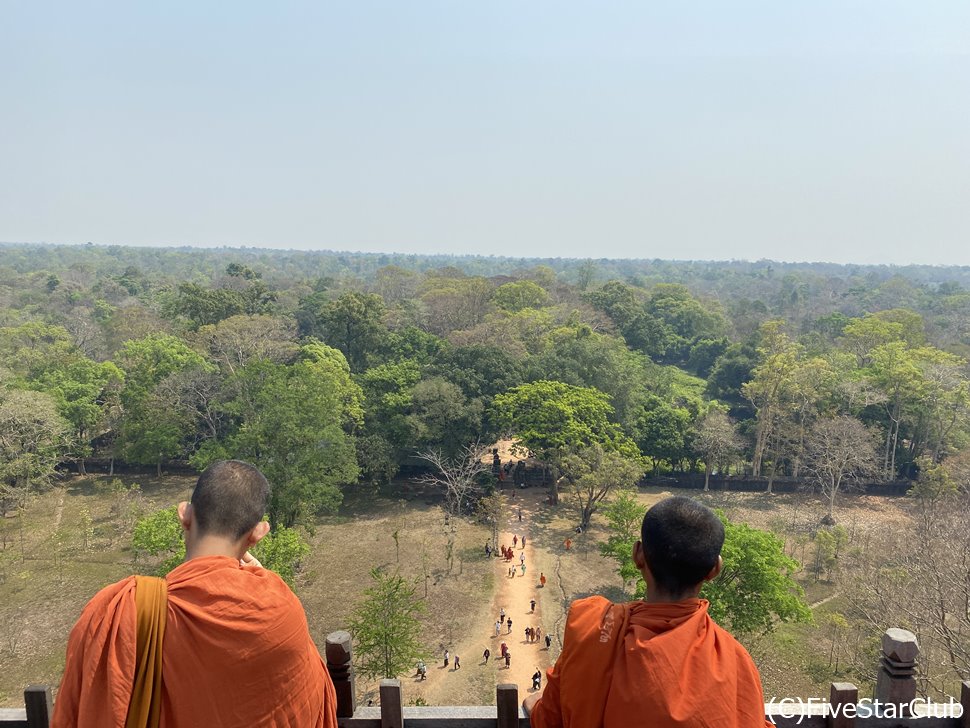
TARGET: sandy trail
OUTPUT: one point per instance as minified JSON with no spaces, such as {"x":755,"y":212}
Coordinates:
{"x":514,"y":595}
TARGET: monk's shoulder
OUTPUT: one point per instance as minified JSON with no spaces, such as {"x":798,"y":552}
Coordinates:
{"x":271,"y":581}
{"x":741,"y":653}
{"x":104,"y":608}
{"x":586,"y":615}
{"x":108,"y":598}
{"x":587,"y":606}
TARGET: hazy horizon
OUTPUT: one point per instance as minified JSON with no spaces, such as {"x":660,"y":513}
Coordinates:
{"x":444,"y":254}
{"x":834,"y":132}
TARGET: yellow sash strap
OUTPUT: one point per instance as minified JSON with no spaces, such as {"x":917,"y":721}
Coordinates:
{"x":151,"y":605}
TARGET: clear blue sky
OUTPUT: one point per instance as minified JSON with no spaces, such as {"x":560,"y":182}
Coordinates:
{"x":794,"y":130}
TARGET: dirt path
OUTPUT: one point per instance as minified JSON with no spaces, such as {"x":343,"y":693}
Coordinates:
{"x":59,"y":508}
{"x":827,"y":599}
{"x":513,"y":594}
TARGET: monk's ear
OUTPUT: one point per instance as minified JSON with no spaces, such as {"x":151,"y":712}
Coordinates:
{"x":184,"y":510}
{"x":712,"y":574}
{"x":639,"y":559}
{"x":258,"y":533}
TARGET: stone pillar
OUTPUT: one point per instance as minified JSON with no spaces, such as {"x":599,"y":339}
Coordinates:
{"x":507,"y":702}
{"x":339,"y":652}
{"x":392,"y":704}
{"x":840,"y":695}
{"x":40,"y":706}
{"x":896,"y":681}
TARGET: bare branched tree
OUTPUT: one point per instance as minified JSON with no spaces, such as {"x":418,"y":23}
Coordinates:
{"x":458,"y":475}
{"x":490,"y":510}
{"x":840,"y":452}
{"x":917,"y":576}
{"x":717,"y":442}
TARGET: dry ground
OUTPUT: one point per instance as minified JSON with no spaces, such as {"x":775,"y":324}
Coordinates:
{"x":42,"y":594}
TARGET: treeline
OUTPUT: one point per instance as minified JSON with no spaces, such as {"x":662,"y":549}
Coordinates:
{"x":331,"y":369}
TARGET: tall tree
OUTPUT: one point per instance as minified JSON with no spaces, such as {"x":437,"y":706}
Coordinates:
{"x":296,"y":425}
{"x":664,"y":430}
{"x":518,"y":295}
{"x":894,"y":371}
{"x":237,"y":340}
{"x":768,"y":388}
{"x":442,"y":418}
{"x":491,"y":510}
{"x":153,"y":428}
{"x":624,"y":514}
{"x":593,"y":475}
{"x":386,"y":626}
{"x":553,"y":419}
{"x":716,"y":442}
{"x":840,"y":452}
{"x":459,"y":476}
{"x":33,"y":440}
{"x":85,"y":392}
{"x":756,"y":588}
{"x":352,"y":324}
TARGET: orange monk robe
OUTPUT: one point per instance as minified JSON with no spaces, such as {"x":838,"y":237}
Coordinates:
{"x":237,"y":652}
{"x":675,"y":668}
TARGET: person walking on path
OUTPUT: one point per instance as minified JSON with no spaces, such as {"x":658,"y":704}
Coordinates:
{"x":548,"y":642}
{"x":532,"y":603}
{"x":523,"y":542}
{"x":538,"y":633}
{"x":508,"y":622}
{"x":486,"y":654}
{"x":537,"y":679}
{"x":457,"y":662}
{"x":515,"y":541}
{"x":498,"y":627}
{"x":523,"y":569}
{"x":522,"y":558}
{"x":447,"y":657}
{"x":508,"y":659}
{"x":542,"y":580}
{"x":501,"y":615}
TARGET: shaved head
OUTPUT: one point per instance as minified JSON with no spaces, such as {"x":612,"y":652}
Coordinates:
{"x":230,"y":498}
{"x":682,"y":540}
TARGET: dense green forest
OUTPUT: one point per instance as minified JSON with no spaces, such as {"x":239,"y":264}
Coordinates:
{"x":331,"y":370}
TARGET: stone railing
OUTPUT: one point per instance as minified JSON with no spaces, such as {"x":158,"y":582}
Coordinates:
{"x":893,"y":704}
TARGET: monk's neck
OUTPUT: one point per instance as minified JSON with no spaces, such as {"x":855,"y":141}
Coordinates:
{"x":203,"y":546}
{"x":657,"y":596}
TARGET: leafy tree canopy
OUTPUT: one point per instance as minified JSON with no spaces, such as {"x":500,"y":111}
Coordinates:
{"x":551,"y":418}
{"x":387,"y":627}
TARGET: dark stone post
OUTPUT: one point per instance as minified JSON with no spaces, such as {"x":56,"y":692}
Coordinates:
{"x":392,"y":704}
{"x":341,"y":669}
{"x":40,"y":706}
{"x":840,"y":695}
{"x":507,"y":703}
